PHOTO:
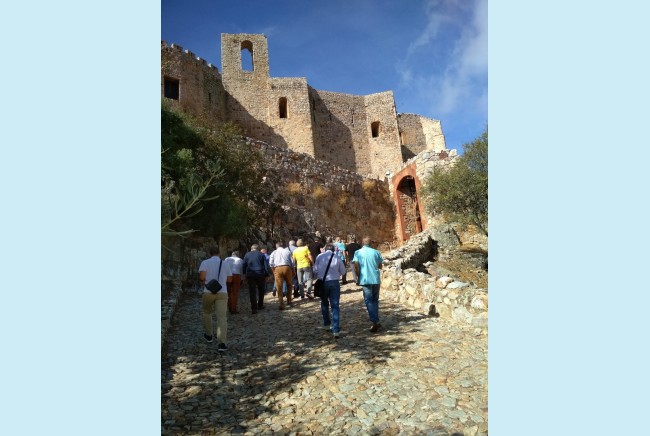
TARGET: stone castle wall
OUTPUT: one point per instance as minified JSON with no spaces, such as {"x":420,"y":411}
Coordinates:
{"x":359,"y":133}
{"x":385,"y":151}
{"x":202,"y":91}
{"x":340,"y":130}
{"x":295,"y":130}
{"x":325,"y":199}
{"x":419,"y":134}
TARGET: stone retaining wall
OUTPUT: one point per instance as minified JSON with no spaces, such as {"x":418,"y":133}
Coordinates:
{"x":168,"y":307}
{"x":433,"y":293}
{"x":317,"y":196}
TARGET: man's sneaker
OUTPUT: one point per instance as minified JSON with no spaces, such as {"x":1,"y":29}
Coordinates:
{"x":222,"y":347}
{"x":327,"y":327}
{"x":310,"y":296}
{"x":208,"y":338}
{"x":375,"y":327}
{"x":336,"y":335}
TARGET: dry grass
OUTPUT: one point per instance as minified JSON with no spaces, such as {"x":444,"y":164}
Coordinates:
{"x":343,"y":199}
{"x":294,"y":188}
{"x":368,"y":186}
{"x":320,"y":193}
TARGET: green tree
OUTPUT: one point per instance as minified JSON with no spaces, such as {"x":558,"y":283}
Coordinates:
{"x":212,"y":181}
{"x":461,"y":193}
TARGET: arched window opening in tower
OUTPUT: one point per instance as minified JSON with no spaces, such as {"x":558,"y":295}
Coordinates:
{"x":247,"y":56}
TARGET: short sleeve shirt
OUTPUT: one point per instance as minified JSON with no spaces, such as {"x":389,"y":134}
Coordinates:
{"x":301,"y":257}
{"x":211,"y":268}
{"x":369,"y":260}
{"x":235,"y":264}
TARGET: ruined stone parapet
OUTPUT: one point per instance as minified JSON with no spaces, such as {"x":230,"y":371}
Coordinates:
{"x":403,"y":279}
{"x":418,"y":134}
{"x":437,"y":296}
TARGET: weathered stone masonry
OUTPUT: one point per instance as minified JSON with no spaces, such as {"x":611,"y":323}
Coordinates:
{"x":363,"y":134}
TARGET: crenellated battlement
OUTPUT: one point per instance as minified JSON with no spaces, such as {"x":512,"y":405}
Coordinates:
{"x":191,"y":83}
{"x":188,"y":55}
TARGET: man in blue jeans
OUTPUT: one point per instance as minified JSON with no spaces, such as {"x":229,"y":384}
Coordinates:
{"x":331,"y":289}
{"x":367,"y":263}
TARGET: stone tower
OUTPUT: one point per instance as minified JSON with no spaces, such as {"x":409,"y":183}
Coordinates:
{"x":275,"y":110}
{"x":245,"y":87}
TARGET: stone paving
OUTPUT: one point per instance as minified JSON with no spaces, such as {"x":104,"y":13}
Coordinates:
{"x":284,"y":374}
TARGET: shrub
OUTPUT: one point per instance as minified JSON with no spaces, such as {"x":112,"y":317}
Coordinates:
{"x":461,"y":193}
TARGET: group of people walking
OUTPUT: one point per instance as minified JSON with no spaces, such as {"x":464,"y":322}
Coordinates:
{"x":294,"y":268}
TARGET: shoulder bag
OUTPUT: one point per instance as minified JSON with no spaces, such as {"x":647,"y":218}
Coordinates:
{"x":319,"y":285}
{"x":213,"y":285}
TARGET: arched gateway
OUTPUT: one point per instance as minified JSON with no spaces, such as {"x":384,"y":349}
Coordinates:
{"x":410,"y":212}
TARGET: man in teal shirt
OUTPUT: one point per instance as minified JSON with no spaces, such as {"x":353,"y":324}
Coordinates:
{"x":367,"y":263}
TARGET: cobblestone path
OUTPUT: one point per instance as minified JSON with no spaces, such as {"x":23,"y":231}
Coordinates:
{"x":284,"y":374}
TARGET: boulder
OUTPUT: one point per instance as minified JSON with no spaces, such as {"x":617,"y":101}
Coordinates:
{"x":457,"y":285}
{"x":461,"y":314}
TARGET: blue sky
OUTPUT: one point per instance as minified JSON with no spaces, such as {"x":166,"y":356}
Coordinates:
{"x":431,"y":53}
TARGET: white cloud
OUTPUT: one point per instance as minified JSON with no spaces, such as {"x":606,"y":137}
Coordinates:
{"x":461,"y":84}
{"x":434,"y":21}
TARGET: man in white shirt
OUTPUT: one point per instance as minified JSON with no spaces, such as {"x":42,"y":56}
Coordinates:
{"x":282,"y":266}
{"x":236,"y":264}
{"x":215,"y":268}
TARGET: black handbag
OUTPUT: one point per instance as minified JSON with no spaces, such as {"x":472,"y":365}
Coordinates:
{"x":319,"y":285}
{"x":213,"y":285}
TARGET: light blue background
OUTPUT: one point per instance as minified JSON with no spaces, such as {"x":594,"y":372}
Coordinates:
{"x":80,"y":191}
{"x":568,"y":192}
{"x":568,"y":111}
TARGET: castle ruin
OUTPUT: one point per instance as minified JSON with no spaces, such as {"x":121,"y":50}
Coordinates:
{"x":360,"y":133}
